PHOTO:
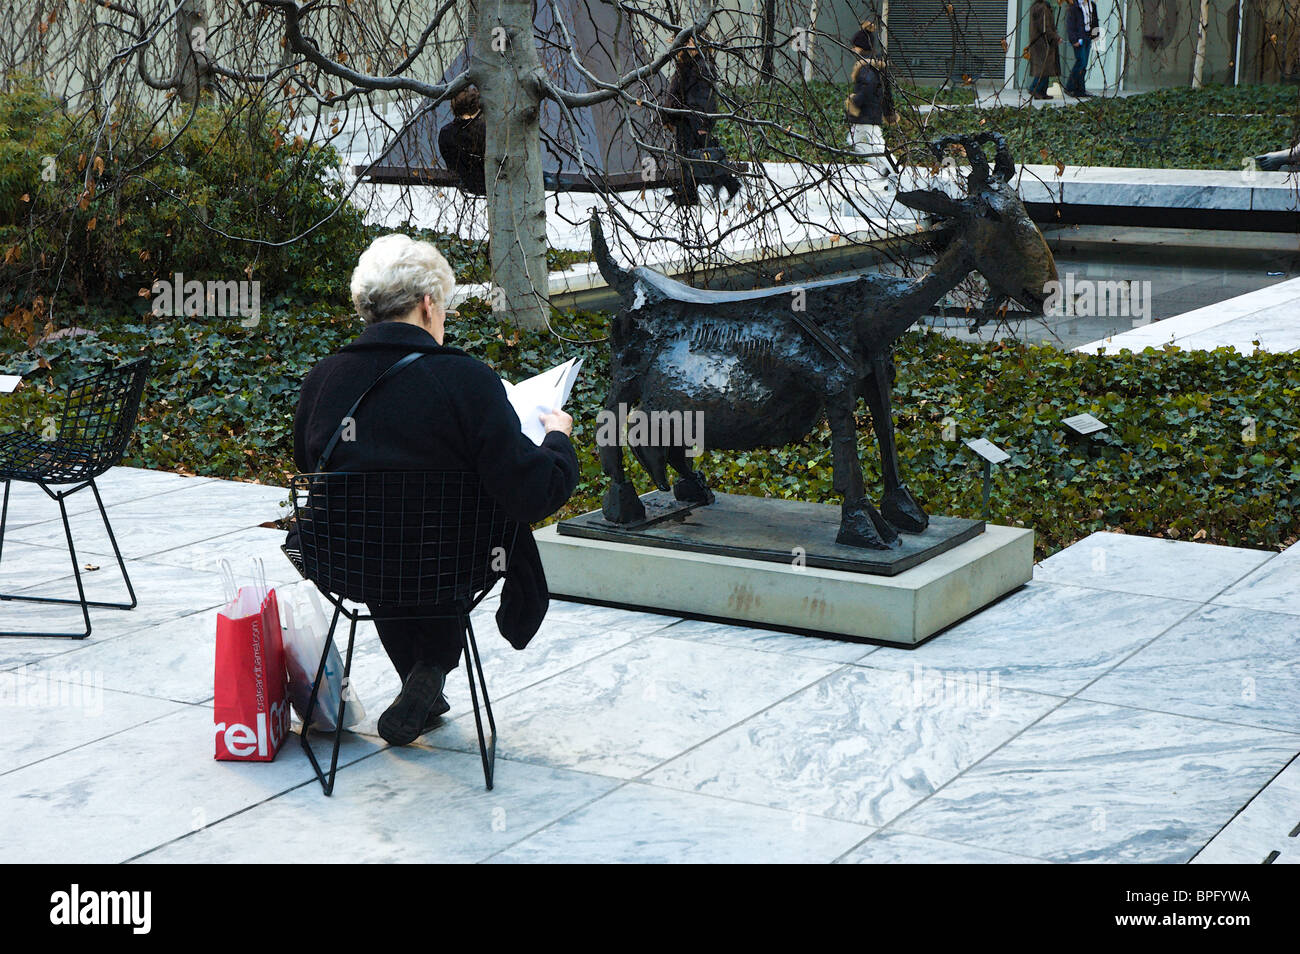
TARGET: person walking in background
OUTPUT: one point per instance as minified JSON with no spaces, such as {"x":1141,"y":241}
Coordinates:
{"x":699,"y":154}
{"x":463,"y":141}
{"x":1080,"y":29}
{"x":1043,"y":49}
{"x":870,"y":103}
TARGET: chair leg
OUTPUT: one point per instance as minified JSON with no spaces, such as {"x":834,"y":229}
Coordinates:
{"x":76,"y":573}
{"x":76,"y":567}
{"x":487,"y":748}
{"x":121,"y":564}
{"x":4,"y":515}
{"x":327,"y":781}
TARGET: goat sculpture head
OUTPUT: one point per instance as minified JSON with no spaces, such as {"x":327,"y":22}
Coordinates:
{"x":1000,"y":239}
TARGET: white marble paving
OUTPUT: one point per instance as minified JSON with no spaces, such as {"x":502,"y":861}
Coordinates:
{"x":164,"y":521}
{"x":122,"y":795}
{"x":1135,"y":702}
{"x":768,"y":641}
{"x":625,"y":712}
{"x":29,"y":504}
{"x":1267,"y":830}
{"x":398,"y":806}
{"x":1264,"y":319}
{"x":52,"y":710}
{"x":1223,"y":662}
{"x":900,"y":848}
{"x":638,"y":823}
{"x":1099,"y":783}
{"x":1150,"y":566}
{"x":164,"y":593}
{"x":1275,"y":586}
{"x":24,"y":565}
{"x":861,"y":745}
{"x":238,"y":548}
{"x":1045,"y":637}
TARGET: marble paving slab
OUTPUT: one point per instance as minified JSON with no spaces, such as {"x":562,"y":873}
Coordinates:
{"x":165,"y":521}
{"x":767,"y":641}
{"x":413,"y":805}
{"x":1045,"y":637}
{"x":629,"y":710}
{"x":1275,"y":586}
{"x":49,"y":711}
{"x":645,"y":825}
{"x":900,"y":848}
{"x":1224,"y":662}
{"x":1265,"y":315}
{"x":25,"y":565}
{"x":862,"y":745}
{"x":1151,"y":566}
{"x":557,"y":647}
{"x":164,"y":593}
{"x":28,"y":504}
{"x":1098,"y":783}
{"x":115,"y":798}
{"x":239,"y":548}
{"x":1269,"y":823}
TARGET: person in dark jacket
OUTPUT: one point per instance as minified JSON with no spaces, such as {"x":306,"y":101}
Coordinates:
{"x":691,"y":88}
{"x":1043,"y":49}
{"x":870,"y":104}
{"x":1080,"y":30}
{"x":446,"y":411}
{"x":462,"y":141}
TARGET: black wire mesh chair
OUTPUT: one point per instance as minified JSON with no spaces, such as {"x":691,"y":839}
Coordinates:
{"x":400,"y":539}
{"x":99,"y":415}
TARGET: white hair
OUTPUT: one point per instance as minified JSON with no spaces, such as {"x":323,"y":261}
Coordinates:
{"x":394,"y":273}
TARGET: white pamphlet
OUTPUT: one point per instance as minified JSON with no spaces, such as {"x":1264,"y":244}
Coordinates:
{"x":8,"y":382}
{"x":541,"y":393}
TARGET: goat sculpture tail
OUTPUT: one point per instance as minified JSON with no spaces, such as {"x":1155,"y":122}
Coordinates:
{"x":618,"y":278}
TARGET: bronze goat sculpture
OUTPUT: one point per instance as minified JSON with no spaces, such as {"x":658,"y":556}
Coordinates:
{"x":762,"y":370}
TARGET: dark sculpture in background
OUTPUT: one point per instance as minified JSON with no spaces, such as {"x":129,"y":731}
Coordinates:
{"x":763,"y":367}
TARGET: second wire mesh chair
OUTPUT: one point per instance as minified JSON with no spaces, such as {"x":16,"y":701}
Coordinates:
{"x":428,"y":539}
{"x":99,"y":415}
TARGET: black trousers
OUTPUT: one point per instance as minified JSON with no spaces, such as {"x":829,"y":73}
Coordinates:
{"x":409,"y":641}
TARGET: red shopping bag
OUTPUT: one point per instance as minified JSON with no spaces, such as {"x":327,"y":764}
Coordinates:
{"x":250,"y":708}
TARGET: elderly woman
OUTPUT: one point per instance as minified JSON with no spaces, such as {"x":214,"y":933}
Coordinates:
{"x":446,"y":411}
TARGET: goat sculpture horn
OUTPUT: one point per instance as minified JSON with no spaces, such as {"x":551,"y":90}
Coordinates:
{"x":1004,"y":167}
{"x":979,"y":164}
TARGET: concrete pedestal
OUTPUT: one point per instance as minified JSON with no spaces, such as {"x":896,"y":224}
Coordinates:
{"x":901,"y":610}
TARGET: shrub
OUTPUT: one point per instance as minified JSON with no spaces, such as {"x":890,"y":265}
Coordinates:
{"x":155,"y":200}
{"x":1176,"y":460}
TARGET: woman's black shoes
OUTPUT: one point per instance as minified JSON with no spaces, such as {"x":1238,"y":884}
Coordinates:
{"x":408,"y":717}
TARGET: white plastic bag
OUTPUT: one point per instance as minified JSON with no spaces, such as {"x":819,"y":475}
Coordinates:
{"x":304,"y":630}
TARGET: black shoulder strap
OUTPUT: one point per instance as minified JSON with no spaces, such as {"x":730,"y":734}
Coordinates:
{"x":338,"y":433}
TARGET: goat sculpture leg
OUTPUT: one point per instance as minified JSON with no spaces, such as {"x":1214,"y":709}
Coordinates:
{"x":692,"y":487}
{"x":621,"y":504}
{"x":898,"y":506}
{"x":860,"y":524}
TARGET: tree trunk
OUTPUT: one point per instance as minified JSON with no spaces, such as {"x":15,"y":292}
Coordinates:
{"x":507,"y":70}
{"x":767,"y":70}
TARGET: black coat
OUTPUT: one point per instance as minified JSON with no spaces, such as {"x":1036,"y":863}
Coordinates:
{"x":446,"y":411}
{"x":1074,"y":31}
{"x":871,"y":100}
{"x":691,"y":87}
{"x":462,"y":143}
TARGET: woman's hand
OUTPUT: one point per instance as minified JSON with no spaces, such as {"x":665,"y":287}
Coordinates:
{"x":557,"y":421}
